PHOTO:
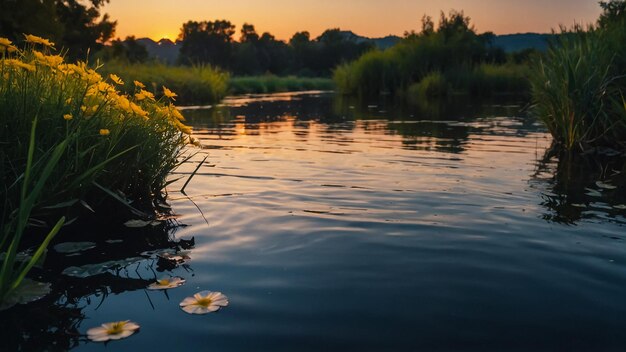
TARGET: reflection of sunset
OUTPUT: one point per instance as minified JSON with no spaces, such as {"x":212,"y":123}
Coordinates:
{"x":156,"y":18}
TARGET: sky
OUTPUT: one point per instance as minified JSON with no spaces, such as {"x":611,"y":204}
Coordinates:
{"x":163,"y":18}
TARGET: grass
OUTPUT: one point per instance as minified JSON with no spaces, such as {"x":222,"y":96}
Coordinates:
{"x":578,"y":89}
{"x":70,"y":141}
{"x":276,"y":84}
{"x":195,"y":85}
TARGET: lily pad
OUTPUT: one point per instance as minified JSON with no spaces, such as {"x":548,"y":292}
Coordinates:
{"x":579,"y":205}
{"x":74,"y":247}
{"x":593,"y":192}
{"x":26,"y":256}
{"x":28,"y":291}
{"x":114,"y":241}
{"x":620,"y":206}
{"x":605,"y":185}
{"x":137,"y":223}
{"x":100,"y":268}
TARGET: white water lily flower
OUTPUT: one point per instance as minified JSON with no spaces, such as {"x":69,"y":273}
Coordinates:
{"x":167,"y":283}
{"x":204,"y":302}
{"x":112,"y":331}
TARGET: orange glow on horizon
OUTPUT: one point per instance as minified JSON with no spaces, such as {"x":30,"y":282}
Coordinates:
{"x":158,"y":19}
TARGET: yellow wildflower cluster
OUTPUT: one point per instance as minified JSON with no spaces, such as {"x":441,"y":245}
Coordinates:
{"x":37,"y":40}
{"x":7,"y":45}
{"x":85,"y":93}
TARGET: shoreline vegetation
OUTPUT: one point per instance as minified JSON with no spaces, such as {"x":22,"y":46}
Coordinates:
{"x":72,"y":143}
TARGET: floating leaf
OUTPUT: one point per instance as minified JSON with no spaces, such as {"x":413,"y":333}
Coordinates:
{"x":74,"y":247}
{"x":28,"y":291}
{"x":579,"y":205}
{"x":593,"y":192}
{"x":620,"y":206}
{"x":137,"y":223}
{"x":100,"y":268}
{"x":114,"y":241}
{"x":605,"y":185}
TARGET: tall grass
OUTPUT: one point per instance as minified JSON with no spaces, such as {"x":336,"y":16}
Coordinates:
{"x":200,"y":84}
{"x":429,"y":63}
{"x":69,"y":140}
{"x":578,"y":89}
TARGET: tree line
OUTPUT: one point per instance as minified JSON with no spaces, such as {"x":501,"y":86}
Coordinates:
{"x":247,"y":52}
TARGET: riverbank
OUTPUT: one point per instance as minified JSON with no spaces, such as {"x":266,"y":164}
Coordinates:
{"x":202,"y":85}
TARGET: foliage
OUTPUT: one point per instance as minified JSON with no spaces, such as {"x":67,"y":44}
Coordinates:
{"x":578,"y":88}
{"x":69,"y":140}
{"x":127,"y":51}
{"x":199,"y":84}
{"x":273,"y":84}
{"x":453,"y":47}
{"x":212,"y":43}
{"x":76,"y":26}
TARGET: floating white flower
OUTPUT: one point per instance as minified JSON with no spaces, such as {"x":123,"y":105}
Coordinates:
{"x":204,"y":302}
{"x":112,"y":331}
{"x":167,"y":283}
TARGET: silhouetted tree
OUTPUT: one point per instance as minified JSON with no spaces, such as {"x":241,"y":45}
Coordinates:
{"x":127,"y":50}
{"x":75,"y":25}
{"x":207,"y":42}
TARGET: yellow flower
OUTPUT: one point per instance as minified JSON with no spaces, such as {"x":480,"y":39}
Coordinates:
{"x":112,"y":331}
{"x":18,"y":63}
{"x":176,"y":113}
{"x":48,"y":60}
{"x":138,"y":110}
{"x":68,"y":101}
{"x":116,"y":79}
{"x":37,"y":40}
{"x":143,"y":94}
{"x":5,"y":43}
{"x":104,"y":132}
{"x":168,"y":93}
{"x":68,"y":117}
{"x":139,"y":84}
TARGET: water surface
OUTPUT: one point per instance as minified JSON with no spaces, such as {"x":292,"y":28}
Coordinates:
{"x":333,"y":225}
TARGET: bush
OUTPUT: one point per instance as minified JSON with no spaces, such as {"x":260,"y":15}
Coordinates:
{"x":432,"y":86}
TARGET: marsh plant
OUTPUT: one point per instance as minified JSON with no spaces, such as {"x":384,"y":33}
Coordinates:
{"x":578,"y":86}
{"x":70,"y":140}
{"x":451,"y":58}
{"x":199,"y":84}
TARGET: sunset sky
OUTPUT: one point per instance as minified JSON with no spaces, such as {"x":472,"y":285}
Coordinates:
{"x":373,"y":18}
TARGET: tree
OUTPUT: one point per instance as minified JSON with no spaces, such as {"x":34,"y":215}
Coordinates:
{"x":207,"y":42}
{"x":74,"y":25}
{"x":614,"y":12}
{"x":248,"y":34}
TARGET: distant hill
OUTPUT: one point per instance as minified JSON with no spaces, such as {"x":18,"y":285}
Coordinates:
{"x":166,"y":50}
{"x":381,"y":43}
{"x":518,"y":42}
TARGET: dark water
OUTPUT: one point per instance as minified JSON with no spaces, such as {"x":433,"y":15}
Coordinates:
{"x":337,"y":226}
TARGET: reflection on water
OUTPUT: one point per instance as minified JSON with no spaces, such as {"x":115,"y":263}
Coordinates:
{"x":338,"y":225}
